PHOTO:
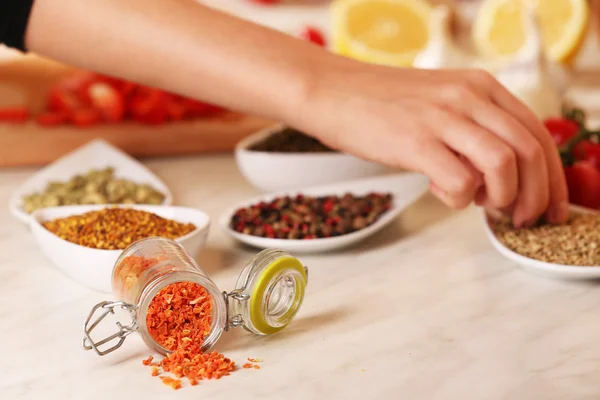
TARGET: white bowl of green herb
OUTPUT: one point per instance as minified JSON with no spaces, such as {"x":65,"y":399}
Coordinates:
{"x":96,"y":173}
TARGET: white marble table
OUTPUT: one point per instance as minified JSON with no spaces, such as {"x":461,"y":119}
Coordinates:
{"x":424,"y":310}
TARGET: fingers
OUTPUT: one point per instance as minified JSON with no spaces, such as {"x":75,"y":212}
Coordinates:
{"x":559,"y":198}
{"x":485,"y":153}
{"x":452,"y":181}
{"x":533,"y":176}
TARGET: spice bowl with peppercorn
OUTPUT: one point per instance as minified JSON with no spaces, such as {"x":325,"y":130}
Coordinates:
{"x":281,"y":158}
{"x":323,"y":218}
{"x":96,"y":173}
{"x":570,"y":251}
{"x":86,"y":241}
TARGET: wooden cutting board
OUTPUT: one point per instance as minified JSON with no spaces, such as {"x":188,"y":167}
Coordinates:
{"x":26,"y":79}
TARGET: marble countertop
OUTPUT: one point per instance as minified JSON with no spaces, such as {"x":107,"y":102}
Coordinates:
{"x":426,"y":309}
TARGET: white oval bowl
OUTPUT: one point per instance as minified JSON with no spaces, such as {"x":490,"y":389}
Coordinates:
{"x":270,"y":171}
{"x":93,"y":267}
{"x":556,"y":271}
{"x":96,"y":154}
{"x":406,"y":189}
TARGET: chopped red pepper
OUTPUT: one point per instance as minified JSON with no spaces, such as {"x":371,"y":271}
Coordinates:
{"x":14,"y":114}
{"x":52,"y":118}
{"x":86,"y":117}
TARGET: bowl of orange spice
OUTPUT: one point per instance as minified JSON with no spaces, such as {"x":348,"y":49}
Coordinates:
{"x":86,"y":241}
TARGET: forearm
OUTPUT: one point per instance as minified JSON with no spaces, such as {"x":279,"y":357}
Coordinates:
{"x":182,"y":46}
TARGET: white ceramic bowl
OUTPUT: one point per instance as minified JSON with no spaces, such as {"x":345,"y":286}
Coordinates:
{"x":93,"y":267}
{"x":283,"y":171}
{"x":94,"y":155}
{"x":557,"y":271}
{"x":406,"y":188}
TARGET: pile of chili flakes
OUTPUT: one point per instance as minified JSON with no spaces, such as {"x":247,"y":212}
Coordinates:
{"x":179,"y":318}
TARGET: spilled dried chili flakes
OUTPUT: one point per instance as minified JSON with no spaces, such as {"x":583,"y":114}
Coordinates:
{"x":305,"y":217}
{"x":179,"y":318}
{"x":174,"y":383}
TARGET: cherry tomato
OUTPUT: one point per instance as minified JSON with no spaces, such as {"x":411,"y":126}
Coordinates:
{"x":52,"y":118}
{"x":107,"y":100}
{"x":14,"y":114}
{"x":561,"y":129}
{"x":583,"y":180}
{"x":198,"y":109}
{"x":175,"y":108}
{"x":313,"y":35}
{"x":85,"y":117}
{"x":148,"y":106}
{"x":588,"y":151}
{"x":62,"y":100}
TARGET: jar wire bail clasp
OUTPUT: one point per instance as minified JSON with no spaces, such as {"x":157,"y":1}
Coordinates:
{"x":108,"y":307}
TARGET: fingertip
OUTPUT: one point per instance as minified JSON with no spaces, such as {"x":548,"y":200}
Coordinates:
{"x":558,"y":213}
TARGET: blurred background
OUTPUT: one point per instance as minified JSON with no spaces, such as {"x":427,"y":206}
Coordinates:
{"x":496,"y":35}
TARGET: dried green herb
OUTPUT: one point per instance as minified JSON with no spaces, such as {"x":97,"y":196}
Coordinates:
{"x":95,"y":187}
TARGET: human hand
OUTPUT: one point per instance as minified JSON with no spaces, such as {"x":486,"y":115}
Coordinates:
{"x":463,"y":129}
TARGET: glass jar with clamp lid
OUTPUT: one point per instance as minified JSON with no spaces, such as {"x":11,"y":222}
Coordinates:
{"x":267,"y":295}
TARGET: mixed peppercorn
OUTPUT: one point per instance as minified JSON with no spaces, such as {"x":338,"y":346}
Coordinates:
{"x":115,"y":228}
{"x":305,"y":217}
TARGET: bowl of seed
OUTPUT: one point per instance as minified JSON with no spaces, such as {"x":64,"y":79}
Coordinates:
{"x":282,"y":158}
{"x":96,"y":173}
{"x":567,"y":251}
{"x":85,"y":241}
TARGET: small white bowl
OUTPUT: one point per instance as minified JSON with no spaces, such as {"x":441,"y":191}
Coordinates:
{"x":96,"y":154}
{"x":270,"y":171}
{"x":406,"y":189}
{"x":557,"y":271}
{"x":93,"y":267}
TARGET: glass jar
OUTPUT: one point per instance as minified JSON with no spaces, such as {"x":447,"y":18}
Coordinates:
{"x":267,"y":295}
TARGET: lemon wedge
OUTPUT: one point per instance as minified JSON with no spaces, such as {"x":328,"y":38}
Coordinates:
{"x":386,"y":32}
{"x":498,"y":30}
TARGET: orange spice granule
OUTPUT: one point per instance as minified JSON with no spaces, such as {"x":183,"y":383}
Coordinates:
{"x":247,"y":365}
{"x":256,"y":366}
{"x":148,"y":361}
{"x":179,"y":318}
{"x":174,"y":383}
{"x":254,"y":360}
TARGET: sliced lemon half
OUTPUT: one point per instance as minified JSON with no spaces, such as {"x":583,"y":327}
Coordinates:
{"x":499,"y":30}
{"x":387,"y":32}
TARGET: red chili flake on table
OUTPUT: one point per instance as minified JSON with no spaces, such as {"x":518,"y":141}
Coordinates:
{"x":148,"y":361}
{"x":174,"y":383}
{"x":306,"y":217}
{"x":247,"y":366}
